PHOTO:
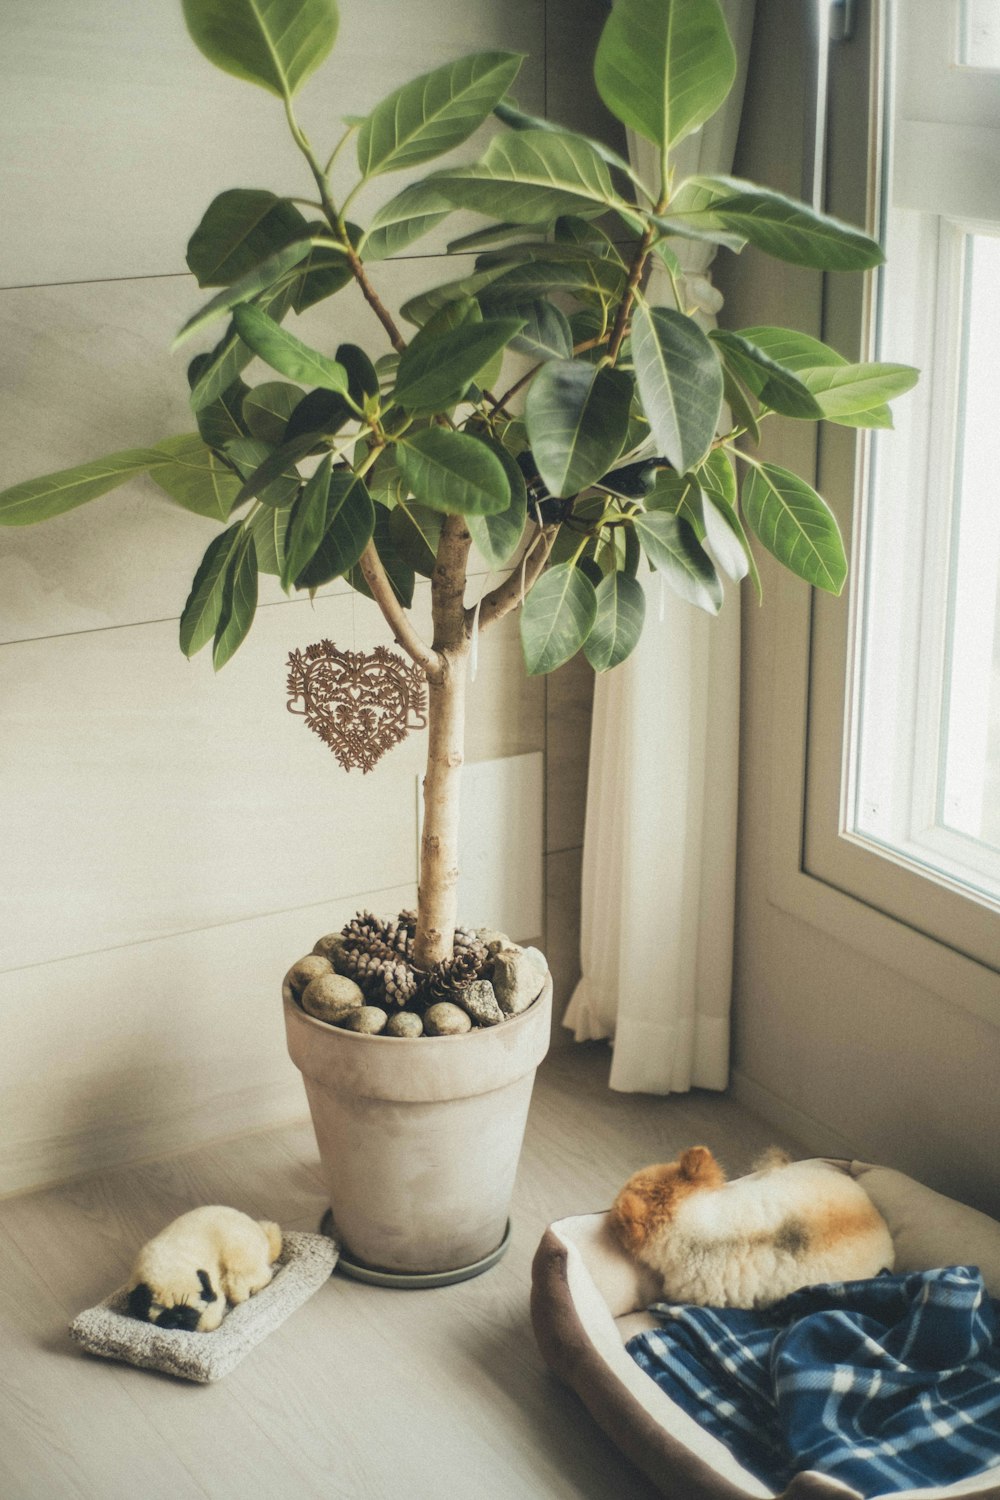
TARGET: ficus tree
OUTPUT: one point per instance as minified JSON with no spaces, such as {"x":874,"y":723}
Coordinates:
{"x":544,"y":409}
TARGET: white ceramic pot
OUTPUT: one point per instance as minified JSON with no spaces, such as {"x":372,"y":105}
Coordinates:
{"x":419,"y":1137}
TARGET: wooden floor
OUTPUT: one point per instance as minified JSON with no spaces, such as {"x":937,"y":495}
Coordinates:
{"x":363,"y":1393}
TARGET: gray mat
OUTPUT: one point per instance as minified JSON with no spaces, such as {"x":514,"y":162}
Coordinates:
{"x":305,"y":1263}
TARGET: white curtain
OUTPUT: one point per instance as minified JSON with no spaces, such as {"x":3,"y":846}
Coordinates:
{"x":660,"y":842}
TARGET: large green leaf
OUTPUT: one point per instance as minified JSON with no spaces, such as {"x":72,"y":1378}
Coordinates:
{"x":320,"y":413}
{"x":680,"y":381}
{"x":350,"y":522}
{"x":239,"y":603}
{"x":269,"y":529}
{"x":239,"y":229}
{"x":269,"y":474}
{"x":195,"y":477}
{"x":800,"y":352}
{"x":306,"y":523}
{"x":220,"y":368}
{"x":592,"y":279}
{"x":416,"y":530}
{"x":776,"y":386}
{"x":435,"y":370}
{"x":431,"y":114}
{"x":398,"y":571}
{"x":422,"y":307}
{"x":362,"y":378}
{"x":52,"y":494}
{"x":621,"y":609}
{"x":530,"y":177}
{"x":674,"y":550}
{"x":202,"y":612}
{"x":556,"y":617}
{"x":664,"y":66}
{"x":795,"y":525}
{"x":783,"y":227}
{"x":517,"y":119}
{"x":496,"y":535}
{"x":258,"y":279}
{"x":325,"y":270}
{"x":286,"y":353}
{"x":577,"y":417}
{"x":222,"y":420}
{"x":267,"y":408}
{"x":852,"y":390}
{"x":274,"y":43}
{"x":405,"y":218}
{"x":546,"y":333}
{"x":453,"y":472}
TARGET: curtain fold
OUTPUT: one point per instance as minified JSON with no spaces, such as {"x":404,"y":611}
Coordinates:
{"x":659,"y":860}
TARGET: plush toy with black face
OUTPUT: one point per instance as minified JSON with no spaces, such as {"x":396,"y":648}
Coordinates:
{"x":185,"y":1276}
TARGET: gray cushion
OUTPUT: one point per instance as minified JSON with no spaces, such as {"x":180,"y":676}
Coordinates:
{"x":305,"y":1263}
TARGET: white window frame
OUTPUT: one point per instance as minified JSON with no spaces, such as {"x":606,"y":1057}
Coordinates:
{"x":915,"y":928}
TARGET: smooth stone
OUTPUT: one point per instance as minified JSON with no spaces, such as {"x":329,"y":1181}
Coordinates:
{"x":517,"y":978}
{"x":331,"y":998}
{"x":480,"y":1002}
{"x":370,"y":1019}
{"x":329,"y":946}
{"x":492,"y":940}
{"x":445,"y":1019}
{"x":404,"y":1023}
{"x":313,"y":966}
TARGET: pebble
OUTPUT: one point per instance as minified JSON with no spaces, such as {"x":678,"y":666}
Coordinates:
{"x":331,"y":998}
{"x":313,"y":966}
{"x":492,"y":940}
{"x":370,"y":1019}
{"x":404,"y":1023}
{"x":329,"y":946}
{"x":518,"y":976}
{"x":445,"y":1019}
{"x":479,"y":1001}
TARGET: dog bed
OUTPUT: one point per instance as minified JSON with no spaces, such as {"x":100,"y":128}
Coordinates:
{"x":305,"y":1263}
{"x":589,"y":1298}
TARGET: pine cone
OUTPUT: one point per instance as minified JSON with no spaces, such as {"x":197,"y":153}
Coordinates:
{"x":399,"y":933}
{"x":399,"y":982}
{"x":363,"y":930}
{"x":451,"y":973}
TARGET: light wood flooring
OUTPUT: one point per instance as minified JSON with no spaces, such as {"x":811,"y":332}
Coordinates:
{"x":363,"y":1393}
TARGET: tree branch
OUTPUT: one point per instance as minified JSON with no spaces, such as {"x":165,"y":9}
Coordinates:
{"x":395,"y":615}
{"x":508,"y":595}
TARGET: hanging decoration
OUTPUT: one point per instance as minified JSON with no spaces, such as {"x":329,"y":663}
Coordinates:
{"x":359,"y":703}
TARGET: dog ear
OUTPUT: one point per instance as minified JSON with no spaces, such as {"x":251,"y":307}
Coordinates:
{"x":697,"y":1164}
{"x":208,"y":1292}
{"x":140,"y":1300}
{"x":629,"y":1219}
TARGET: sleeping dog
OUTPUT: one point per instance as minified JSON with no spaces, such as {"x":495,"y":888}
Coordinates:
{"x":750,"y":1242}
{"x":184,"y":1277}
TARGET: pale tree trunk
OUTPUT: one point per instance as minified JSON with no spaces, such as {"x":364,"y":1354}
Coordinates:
{"x":446,"y":663}
{"x":438,"y":890}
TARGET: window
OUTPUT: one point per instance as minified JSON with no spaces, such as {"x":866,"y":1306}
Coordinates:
{"x":920,"y":784}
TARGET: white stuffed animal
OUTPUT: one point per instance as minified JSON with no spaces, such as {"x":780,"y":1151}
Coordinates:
{"x":185,"y":1275}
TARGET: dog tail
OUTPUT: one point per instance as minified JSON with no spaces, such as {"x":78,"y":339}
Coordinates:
{"x":273,"y":1232}
{"x":771,"y":1159}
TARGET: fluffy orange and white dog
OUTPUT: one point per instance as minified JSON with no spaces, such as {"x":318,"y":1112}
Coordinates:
{"x":749,"y":1242}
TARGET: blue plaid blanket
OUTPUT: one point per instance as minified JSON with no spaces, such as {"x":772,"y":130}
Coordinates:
{"x":883,"y":1384}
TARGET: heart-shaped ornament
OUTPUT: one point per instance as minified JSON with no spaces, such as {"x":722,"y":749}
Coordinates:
{"x":359,"y":703}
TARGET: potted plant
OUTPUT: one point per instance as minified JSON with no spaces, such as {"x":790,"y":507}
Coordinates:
{"x":618,"y":443}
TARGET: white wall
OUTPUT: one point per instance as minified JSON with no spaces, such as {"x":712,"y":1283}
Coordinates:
{"x":173,"y":839}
